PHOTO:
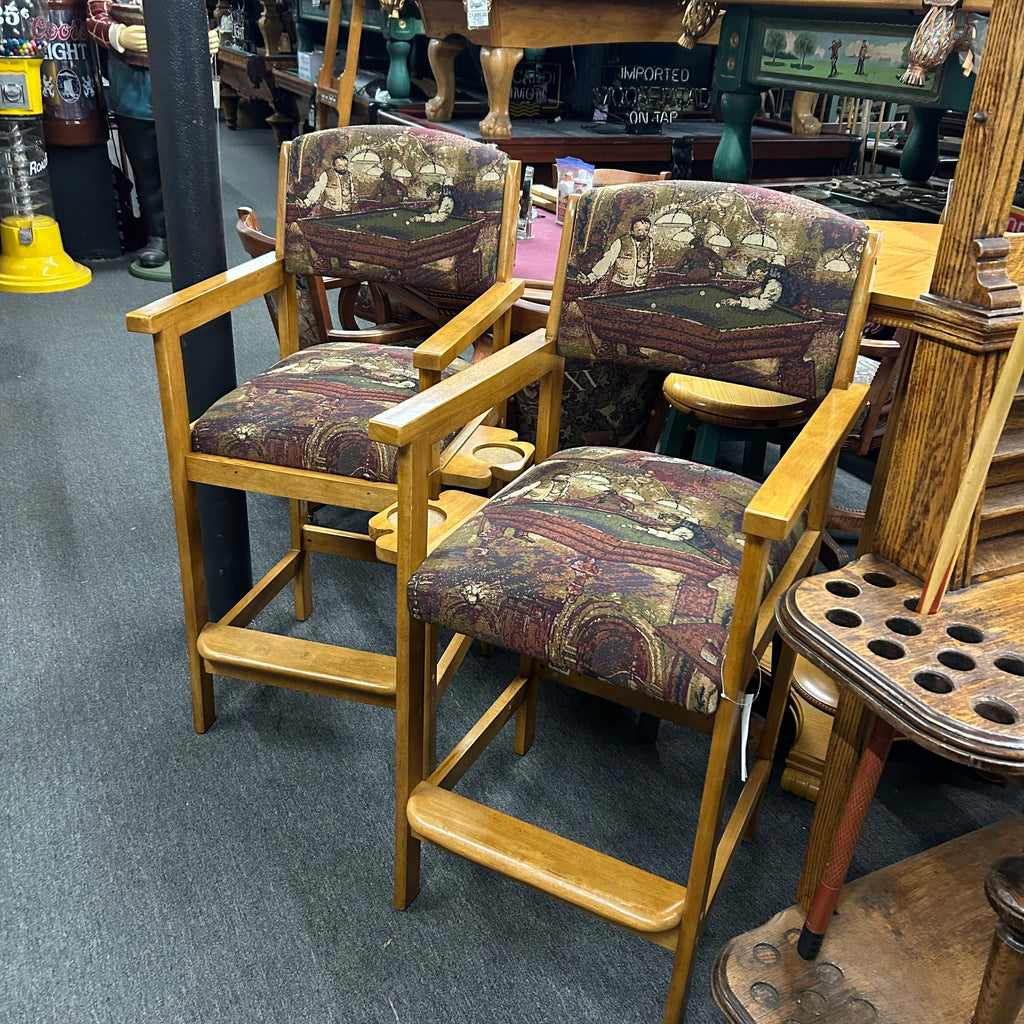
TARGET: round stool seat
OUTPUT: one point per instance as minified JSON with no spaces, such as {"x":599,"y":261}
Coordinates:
{"x":819,"y":690}
{"x":734,"y":405}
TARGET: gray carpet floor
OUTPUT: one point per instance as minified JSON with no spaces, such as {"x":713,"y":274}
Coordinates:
{"x":152,"y":876}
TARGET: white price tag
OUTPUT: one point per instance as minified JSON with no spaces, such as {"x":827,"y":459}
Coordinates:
{"x":477,"y":13}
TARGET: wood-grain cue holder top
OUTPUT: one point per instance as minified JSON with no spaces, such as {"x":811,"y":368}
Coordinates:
{"x":953,"y":681}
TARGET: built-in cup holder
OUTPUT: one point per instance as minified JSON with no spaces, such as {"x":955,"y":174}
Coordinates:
{"x":435,"y":516}
{"x":497,"y":454}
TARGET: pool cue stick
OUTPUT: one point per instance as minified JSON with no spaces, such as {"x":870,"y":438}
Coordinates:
{"x":851,"y":823}
{"x":878,"y":137}
{"x":955,"y":532}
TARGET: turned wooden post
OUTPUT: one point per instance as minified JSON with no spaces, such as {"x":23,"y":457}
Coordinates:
{"x":271,"y":26}
{"x":1002,"y":989}
{"x":967,"y":320}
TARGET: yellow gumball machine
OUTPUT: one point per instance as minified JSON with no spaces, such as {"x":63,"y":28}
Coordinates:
{"x":32,"y":257}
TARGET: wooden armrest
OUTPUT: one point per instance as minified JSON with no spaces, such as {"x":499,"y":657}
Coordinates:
{"x":384,"y":334}
{"x":200,"y":303}
{"x":779,"y":501}
{"x":466,"y":326}
{"x":445,"y":407}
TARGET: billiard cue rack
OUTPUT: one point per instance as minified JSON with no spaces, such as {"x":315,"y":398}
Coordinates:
{"x":908,"y":942}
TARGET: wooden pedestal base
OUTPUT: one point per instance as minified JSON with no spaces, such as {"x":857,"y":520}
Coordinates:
{"x":908,"y":943}
{"x":812,"y":702}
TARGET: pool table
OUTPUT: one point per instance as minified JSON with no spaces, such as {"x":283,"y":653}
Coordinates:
{"x":515,"y":24}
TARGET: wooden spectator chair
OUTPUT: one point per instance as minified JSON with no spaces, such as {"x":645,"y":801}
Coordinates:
{"x":299,"y":429}
{"x":638,"y":577}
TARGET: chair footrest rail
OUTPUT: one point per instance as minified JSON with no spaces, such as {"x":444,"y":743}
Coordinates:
{"x":617,"y":892}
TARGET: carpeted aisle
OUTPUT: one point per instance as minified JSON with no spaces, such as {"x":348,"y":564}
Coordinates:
{"x":152,"y":876}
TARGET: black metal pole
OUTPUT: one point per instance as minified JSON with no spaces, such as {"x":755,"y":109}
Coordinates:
{"x":177,"y":35}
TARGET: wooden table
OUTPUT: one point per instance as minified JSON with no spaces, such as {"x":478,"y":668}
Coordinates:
{"x":515,"y":24}
{"x":250,"y":76}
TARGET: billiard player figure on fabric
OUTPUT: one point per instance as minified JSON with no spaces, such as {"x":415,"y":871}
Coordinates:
{"x":333,"y":190}
{"x":443,"y":197}
{"x":630,"y":258}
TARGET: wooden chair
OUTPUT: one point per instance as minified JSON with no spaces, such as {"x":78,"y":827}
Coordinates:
{"x":316,"y":323}
{"x":641,"y":578}
{"x":298,"y":430}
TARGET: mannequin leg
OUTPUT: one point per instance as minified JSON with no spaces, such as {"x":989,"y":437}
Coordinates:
{"x":140,"y":144}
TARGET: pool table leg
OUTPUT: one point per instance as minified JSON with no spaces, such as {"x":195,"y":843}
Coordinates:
{"x":441,"y":54}
{"x":498,"y":63}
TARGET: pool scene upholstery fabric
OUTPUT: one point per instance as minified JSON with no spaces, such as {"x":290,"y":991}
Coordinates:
{"x":380,"y":204}
{"x":727,"y":281}
{"x":395,"y":205}
{"x":622,"y":565}
{"x":310,"y":411}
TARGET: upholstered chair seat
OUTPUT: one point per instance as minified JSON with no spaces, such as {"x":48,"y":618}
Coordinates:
{"x":311,"y":410}
{"x":635,"y":560}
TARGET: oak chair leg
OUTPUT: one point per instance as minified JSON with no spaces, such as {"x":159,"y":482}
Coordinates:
{"x":430,"y":700}
{"x":413,"y":699}
{"x":782,"y":678}
{"x":526,"y":716}
{"x":193,"y":586}
{"x":303,"y":585}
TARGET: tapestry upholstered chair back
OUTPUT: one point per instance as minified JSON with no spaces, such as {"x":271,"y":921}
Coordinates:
{"x":395,"y":205}
{"x":717,"y":280}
